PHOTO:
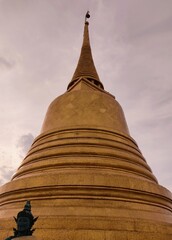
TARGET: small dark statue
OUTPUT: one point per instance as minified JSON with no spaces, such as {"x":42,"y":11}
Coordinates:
{"x":24,"y":221}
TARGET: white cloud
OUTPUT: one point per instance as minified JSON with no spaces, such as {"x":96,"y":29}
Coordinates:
{"x":6,"y":173}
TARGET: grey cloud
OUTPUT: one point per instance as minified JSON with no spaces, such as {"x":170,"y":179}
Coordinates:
{"x":165,"y":99}
{"x":158,"y":28}
{"x":24,"y":143}
{"x":161,"y":122}
{"x":6,"y":63}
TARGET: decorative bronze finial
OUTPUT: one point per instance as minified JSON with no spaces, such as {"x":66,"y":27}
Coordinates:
{"x":87,"y":16}
{"x":27,"y":207}
{"x":86,"y":68}
{"x":25,"y":221}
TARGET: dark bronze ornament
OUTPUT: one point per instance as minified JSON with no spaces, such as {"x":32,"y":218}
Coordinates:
{"x":87,"y":16}
{"x":25,"y":221}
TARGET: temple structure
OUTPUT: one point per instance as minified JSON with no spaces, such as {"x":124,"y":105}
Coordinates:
{"x":84,"y":174}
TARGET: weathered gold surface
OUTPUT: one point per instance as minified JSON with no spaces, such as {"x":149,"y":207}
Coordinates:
{"x":77,"y":109}
{"x":27,"y":238}
{"x":86,"y":177}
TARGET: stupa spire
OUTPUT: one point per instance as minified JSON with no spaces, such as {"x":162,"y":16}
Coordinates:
{"x":86,"y":68}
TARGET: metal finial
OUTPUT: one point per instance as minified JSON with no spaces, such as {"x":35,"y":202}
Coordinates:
{"x":27,"y":206}
{"x":87,"y":16}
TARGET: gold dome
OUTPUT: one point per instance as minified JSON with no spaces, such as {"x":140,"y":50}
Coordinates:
{"x":85,"y":175}
{"x":85,"y":105}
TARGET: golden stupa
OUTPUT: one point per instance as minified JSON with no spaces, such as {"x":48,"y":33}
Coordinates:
{"x":84,"y":174}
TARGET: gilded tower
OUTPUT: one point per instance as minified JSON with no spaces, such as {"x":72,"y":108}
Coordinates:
{"x":84,"y":174}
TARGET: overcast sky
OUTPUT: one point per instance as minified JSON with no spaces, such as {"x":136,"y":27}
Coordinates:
{"x":131,"y":41}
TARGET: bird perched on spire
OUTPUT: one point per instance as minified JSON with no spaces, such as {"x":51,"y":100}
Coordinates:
{"x":87,"y":16}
